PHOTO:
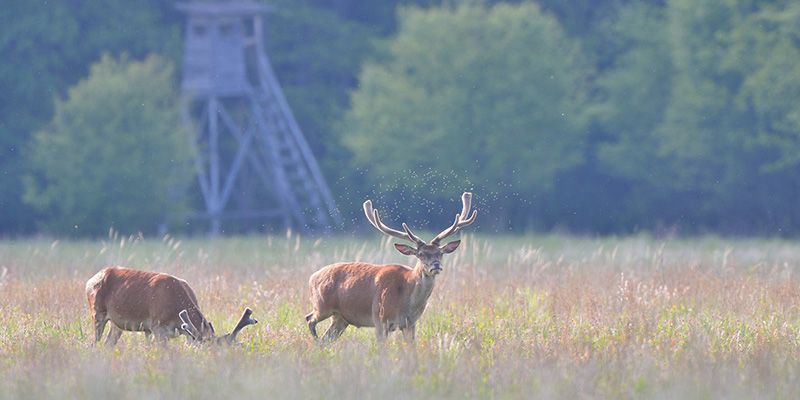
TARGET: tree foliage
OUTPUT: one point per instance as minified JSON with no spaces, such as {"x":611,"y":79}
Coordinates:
{"x":317,"y":55}
{"x":685,"y":127}
{"x":598,"y":116}
{"x":493,"y":93}
{"x":720,"y":143}
{"x":115,"y":154}
{"x":47,"y":47}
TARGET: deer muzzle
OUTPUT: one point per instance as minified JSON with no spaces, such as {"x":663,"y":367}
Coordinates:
{"x":436,"y":267}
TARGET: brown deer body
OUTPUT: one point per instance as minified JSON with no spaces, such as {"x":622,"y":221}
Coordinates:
{"x":150,"y":302}
{"x":387,"y":297}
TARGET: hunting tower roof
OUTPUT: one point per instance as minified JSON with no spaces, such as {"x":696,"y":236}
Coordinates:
{"x":226,"y":9}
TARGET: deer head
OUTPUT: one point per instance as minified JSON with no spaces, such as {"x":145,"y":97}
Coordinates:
{"x":207,"y":334}
{"x":428,"y":253}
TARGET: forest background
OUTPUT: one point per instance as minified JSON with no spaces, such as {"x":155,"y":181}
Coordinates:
{"x":584,"y":116}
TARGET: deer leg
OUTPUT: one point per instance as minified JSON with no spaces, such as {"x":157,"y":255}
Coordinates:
{"x":381,"y":326}
{"x":113,"y":335}
{"x":160,"y":335}
{"x":313,"y":318}
{"x":336,"y":329}
{"x":99,"y":321}
{"x":409,"y":333}
{"x":312,"y":324}
{"x":381,"y":332}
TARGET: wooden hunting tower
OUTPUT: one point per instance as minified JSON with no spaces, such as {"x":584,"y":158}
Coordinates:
{"x":252,"y":161}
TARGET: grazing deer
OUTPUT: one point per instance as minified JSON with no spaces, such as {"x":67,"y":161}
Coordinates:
{"x":150,"y":302}
{"x":387,"y":297}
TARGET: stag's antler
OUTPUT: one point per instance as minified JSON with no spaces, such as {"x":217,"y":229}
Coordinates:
{"x":188,"y":326}
{"x":375,"y":220}
{"x":460,"y":222}
{"x":243,"y":322}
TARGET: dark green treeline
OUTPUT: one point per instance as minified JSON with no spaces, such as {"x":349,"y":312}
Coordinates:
{"x":610,"y":116}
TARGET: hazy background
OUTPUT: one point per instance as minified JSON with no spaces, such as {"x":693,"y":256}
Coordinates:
{"x":584,"y":116}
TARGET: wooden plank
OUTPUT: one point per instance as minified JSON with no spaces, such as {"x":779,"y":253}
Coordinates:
{"x":202,"y":178}
{"x":243,"y":140}
{"x":271,"y":84}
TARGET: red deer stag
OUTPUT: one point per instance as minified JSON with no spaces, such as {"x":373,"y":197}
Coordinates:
{"x":150,"y":302}
{"x":387,"y":297}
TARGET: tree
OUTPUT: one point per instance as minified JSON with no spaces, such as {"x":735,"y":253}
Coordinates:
{"x":718,"y":119}
{"x":630,"y":96}
{"x":695,"y":114}
{"x":114,"y":154}
{"x":490,"y":94}
{"x":765,"y":50}
{"x":317,"y":55}
{"x":48,"y":46}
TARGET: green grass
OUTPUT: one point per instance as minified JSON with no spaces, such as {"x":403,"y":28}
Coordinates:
{"x":510,"y":317}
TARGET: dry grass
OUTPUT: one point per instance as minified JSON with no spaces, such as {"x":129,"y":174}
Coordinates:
{"x":552,"y":316}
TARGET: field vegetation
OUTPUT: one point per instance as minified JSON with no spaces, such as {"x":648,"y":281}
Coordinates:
{"x":511,"y":317}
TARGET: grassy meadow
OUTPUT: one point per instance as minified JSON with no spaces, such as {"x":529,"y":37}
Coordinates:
{"x":511,"y":317}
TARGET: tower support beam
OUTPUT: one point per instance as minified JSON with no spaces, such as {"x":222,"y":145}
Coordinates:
{"x":244,"y":126}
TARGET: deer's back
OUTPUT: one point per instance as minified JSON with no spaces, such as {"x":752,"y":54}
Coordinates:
{"x":133,"y":296}
{"x":351,"y":289}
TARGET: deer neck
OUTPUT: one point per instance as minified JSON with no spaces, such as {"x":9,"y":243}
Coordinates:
{"x":422,"y":288}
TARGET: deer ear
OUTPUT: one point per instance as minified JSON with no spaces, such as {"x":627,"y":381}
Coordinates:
{"x":451,"y":247}
{"x":407,"y":250}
